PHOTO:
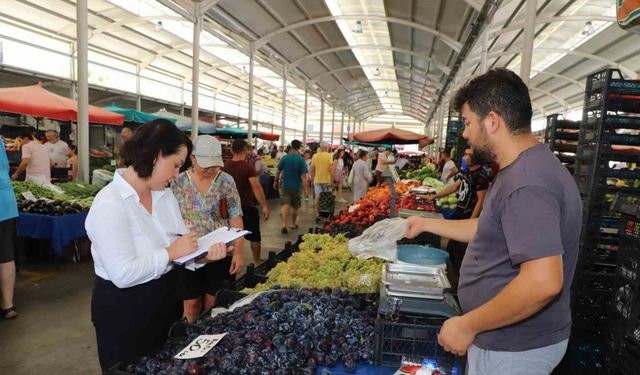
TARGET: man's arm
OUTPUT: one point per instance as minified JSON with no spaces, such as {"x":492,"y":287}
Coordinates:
{"x":478,"y":207}
{"x":538,"y":282}
{"x":259,"y":194}
{"x":457,"y":230}
{"x":24,"y":163}
{"x":449,"y":189}
{"x":305,"y":184}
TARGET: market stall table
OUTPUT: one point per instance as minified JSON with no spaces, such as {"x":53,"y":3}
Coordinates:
{"x":60,"y":230}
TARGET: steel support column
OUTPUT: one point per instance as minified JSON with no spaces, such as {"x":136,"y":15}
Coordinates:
{"x":284,"y":103}
{"x":82,"y":30}
{"x":304,"y":121}
{"x":333,"y":121}
{"x":195,"y":69}
{"x":527,"y":40}
{"x":485,"y":48}
{"x":250,"y":116}
{"x":342,"y":129}
{"x":321,"y":117}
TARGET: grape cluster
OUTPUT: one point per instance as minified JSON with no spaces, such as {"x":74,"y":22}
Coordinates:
{"x":325,"y":261}
{"x":282,"y":332}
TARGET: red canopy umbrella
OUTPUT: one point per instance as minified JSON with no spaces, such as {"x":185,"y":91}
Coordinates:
{"x":36,"y":101}
{"x":391,"y":136}
{"x":268,"y":136}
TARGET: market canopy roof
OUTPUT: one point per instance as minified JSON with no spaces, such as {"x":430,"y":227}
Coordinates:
{"x":131,"y":115}
{"x":233,"y":133}
{"x":364,"y":144}
{"x":34,"y":100}
{"x":390,"y":136}
{"x":184,"y":123}
{"x":267,"y":136}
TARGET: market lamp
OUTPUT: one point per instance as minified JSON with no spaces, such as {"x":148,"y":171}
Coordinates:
{"x":159,"y":26}
{"x":588,"y":29}
{"x":357,"y":28}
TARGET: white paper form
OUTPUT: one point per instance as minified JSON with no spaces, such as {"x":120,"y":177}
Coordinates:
{"x":222,"y":234}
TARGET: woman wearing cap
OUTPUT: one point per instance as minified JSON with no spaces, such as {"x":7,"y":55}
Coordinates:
{"x":136,"y":232}
{"x":208,"y":199}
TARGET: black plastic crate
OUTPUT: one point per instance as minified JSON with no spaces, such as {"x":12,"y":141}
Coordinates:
{"x":584,"y":357}
{"x":227,"y":297}
{"x":414,"y":337}
{"x":625,"y":359}
{"x":249,"y":280}
{"x":266,"y":266}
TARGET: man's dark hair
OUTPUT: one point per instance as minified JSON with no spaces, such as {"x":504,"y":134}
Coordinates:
{"x":72,"y":147}
{"x":446,"y":153}
{"x":362,"y":153}
{"x":25,"y":133}
{"x":239,"y":145}
{"x":151,"y":139}
{"x":296,"y":144}
{"x":501,"y":91}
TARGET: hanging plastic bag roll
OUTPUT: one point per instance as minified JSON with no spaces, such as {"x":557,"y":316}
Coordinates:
{"x":379,"y":240}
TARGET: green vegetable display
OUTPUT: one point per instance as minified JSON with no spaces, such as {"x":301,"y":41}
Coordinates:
{"x":78,"y":190}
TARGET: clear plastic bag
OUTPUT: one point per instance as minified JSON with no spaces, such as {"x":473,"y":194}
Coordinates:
{"x":379,"y":240}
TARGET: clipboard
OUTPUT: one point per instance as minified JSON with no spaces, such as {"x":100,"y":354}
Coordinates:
{"x":222,"y":234}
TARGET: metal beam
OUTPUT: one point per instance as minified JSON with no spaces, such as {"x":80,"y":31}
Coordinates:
{"x":372,"y":91}
{"x":563,"y":77}
{"x":364,"y":109}
{"x":129,"y":21}
{"x":366,"y":80}
{"x":377,"y":112}
{"x":376,"y":100}
{"x":497,"y":31}
{"x":350,"y":67}
{"x":552,"y":95}
{"x":423,"y":55}
{"x":454,"y":44}
{"x":357,"y":95}
{"x":626,"y":70}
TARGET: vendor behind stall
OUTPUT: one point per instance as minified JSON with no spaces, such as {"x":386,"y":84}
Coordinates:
{"x":136,"y":233}
{"x":58,"y":150}
{"x":516,"y":276}
{"x":35,"y":160}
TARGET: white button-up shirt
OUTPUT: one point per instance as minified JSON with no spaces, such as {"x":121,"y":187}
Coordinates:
{"x":128,"y":244}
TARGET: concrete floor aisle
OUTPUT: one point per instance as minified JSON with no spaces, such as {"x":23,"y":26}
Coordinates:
{"x":54,"y":334}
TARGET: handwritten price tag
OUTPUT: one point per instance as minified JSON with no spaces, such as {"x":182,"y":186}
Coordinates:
{"x":200,"y":346}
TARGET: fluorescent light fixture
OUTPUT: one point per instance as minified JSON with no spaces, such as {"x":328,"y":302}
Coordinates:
{"x":588,"y":29}
{"x":377,"y":72}
{"x":159,"y":26}
{"x":357,"y":28}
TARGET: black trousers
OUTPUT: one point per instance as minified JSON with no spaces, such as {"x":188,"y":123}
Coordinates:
{"x":132,"y":322}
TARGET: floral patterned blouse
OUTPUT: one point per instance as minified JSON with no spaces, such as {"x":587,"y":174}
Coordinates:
{"x":204,"y":213}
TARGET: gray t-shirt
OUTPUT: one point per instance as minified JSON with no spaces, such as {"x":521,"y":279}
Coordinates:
{"x":532,"y":210}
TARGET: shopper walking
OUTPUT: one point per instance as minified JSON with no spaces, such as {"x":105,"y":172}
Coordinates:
{"x":8,"y":214}
{"x":58,"y":150}
{"x":248,"y":187}
{"x":516,"y":275}
{"x":208,"y":199}
{"x":134,"y":226}
{"x":72,"y":164}
{"x":35,"y":160}
{"x":321,"y":171}
{"x":262,"y":171}
{"x":294,"y":171}
{"x":338,"y":173}
{"x":361,"y":176}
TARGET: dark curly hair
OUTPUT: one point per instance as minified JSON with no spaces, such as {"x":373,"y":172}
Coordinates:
{"x":501,"y":91}
{"x":151,"y":139}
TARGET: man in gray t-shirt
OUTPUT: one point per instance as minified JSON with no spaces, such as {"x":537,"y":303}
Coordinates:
{"x":516,"y":274}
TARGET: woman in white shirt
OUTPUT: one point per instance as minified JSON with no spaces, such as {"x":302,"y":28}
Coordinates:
{"x":361,"y":176}
{"x":137,"y":232}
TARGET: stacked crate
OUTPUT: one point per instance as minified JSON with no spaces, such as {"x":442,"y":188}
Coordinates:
{"x":562,"y":137}
{"x":605,"y":162}
{"x":624,"y":335}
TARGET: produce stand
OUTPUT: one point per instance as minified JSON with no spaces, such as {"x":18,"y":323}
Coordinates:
{"x":405,"y":213}
{"x":60,"y":230}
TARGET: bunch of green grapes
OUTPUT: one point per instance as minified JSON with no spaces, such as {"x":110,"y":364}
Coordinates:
{"x":325,"y":261}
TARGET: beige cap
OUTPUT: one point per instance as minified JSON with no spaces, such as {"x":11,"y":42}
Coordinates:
{"x":208,"y":151}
